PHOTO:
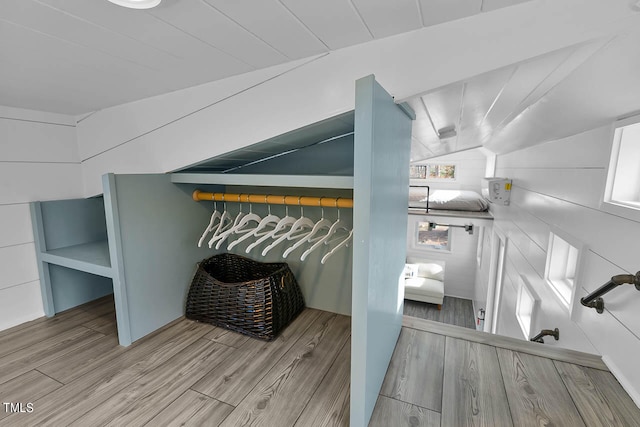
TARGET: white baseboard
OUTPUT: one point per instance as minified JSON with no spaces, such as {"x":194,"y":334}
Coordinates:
{"x":631,"y":389}
{"x":449,"y":294}
{"x":20,"y":320}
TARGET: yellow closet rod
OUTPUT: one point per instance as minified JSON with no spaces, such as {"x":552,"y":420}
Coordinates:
{"x":332,"y":202}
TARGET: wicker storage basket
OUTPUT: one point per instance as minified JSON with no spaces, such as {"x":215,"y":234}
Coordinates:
{"x":253,"y":298}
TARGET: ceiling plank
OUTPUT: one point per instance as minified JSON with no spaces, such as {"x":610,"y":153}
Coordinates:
{"x":51,"y":55}
{"x":480,"y":94}
{"x":419,"y":151}
{"x":274,"y":24}
{"x":422,"y":132}
{"x":54,"y":23}
{"x":489,"y":5}
{"x":205,"y":23}
{"x":438,"y":11}
{"x":48,"y":70}
{"x":385,"y":18}
{"x":142,"y":26}
{"x":335,"y":22}
{"x":575,"y":59}
{"x":576,"y":104}
{"x":444,"y":104}
{"x":527,"y":76}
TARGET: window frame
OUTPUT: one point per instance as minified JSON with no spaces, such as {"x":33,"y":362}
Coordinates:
{"x":629,"y":210}
{"x":524,"y":286}
{"x":442,"y":180}
{"x":423,"y":247}
{"x":427,"y":247}
{"x":580,"y":247}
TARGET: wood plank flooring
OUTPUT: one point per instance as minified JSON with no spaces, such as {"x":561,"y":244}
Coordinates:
{"x":455,"y":311}
{"x":470,"y":374}
{"x":73,"y":372}
{"x":484,"y":385}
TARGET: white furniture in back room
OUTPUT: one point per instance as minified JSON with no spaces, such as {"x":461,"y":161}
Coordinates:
{"x":424,"y":281}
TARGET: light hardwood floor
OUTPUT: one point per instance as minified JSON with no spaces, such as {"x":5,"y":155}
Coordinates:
{"x":71,"y":369}
{"x":443,"y":375}
{"x":455,"y":311}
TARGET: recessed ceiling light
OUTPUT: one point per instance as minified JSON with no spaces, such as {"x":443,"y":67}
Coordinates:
{"x":137,"y":4}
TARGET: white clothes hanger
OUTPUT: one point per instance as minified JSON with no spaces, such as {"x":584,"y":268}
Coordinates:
{"x":262,"y":231}
{"x":242,"y":229}
{"x":223,"y":236}
{"x":277,"y":231}
{"x":310,"y":237}
{"x":337,"y":225}
{"x":301,"y":223}
{"x":345,"y":242}
{"x":224,"y":224}
{"x":212,"y":223}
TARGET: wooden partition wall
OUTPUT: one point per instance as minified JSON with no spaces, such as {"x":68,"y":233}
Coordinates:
{"x":381,"y":194}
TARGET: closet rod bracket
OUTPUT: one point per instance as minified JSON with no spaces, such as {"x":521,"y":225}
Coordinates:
{"x":555,"y":333}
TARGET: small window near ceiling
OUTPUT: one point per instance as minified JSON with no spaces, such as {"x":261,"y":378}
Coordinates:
{"x":417,"y":172}
{"x":562,"y":264}
{"x":433,"y":171}
{"x":526,"y":305}
{"x":622,"y":192}
{"x":430,"y":236}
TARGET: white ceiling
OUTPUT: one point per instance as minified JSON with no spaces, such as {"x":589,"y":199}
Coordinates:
{"x":77,"y":56}
{"x":545,"y":98}
{"x":480,"y":108}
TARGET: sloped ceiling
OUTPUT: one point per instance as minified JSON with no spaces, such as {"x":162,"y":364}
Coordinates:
{"x":545,"y":98}
{"x":604,"y":89}
{"x":476,"y":112}
{"x":318,"y":148}
{"x":78,"y":56}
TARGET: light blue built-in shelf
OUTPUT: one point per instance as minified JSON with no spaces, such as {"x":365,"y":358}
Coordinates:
{"x":300,"y":181}
{"x":136,"y":242}
{"x":90,"y":257}
{"x":72,"y":251}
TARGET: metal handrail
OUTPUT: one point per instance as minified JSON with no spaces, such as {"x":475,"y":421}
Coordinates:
{"x":594,"y":299}
{"x":428,"y":194}
{"x":546,"y":332}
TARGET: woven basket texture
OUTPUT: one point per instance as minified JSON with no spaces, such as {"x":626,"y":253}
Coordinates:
{"x":246,"y":296}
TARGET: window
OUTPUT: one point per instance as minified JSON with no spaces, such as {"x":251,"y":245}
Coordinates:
{"x":526,"y":305}
{"x":562,"y":263}
{"x":622,"y":192}
{"x":432,"y":171}
{"x":417,"y":172}
{"x":433,"y":237}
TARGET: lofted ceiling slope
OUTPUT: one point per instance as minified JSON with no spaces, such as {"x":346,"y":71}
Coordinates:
{"x":322,"y":148}
{"x":77,"y":56}
{"x":552,"y":96}
{"x":476,"y":111}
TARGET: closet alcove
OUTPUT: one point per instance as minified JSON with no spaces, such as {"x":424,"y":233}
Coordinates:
{"x":139,"y":240}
